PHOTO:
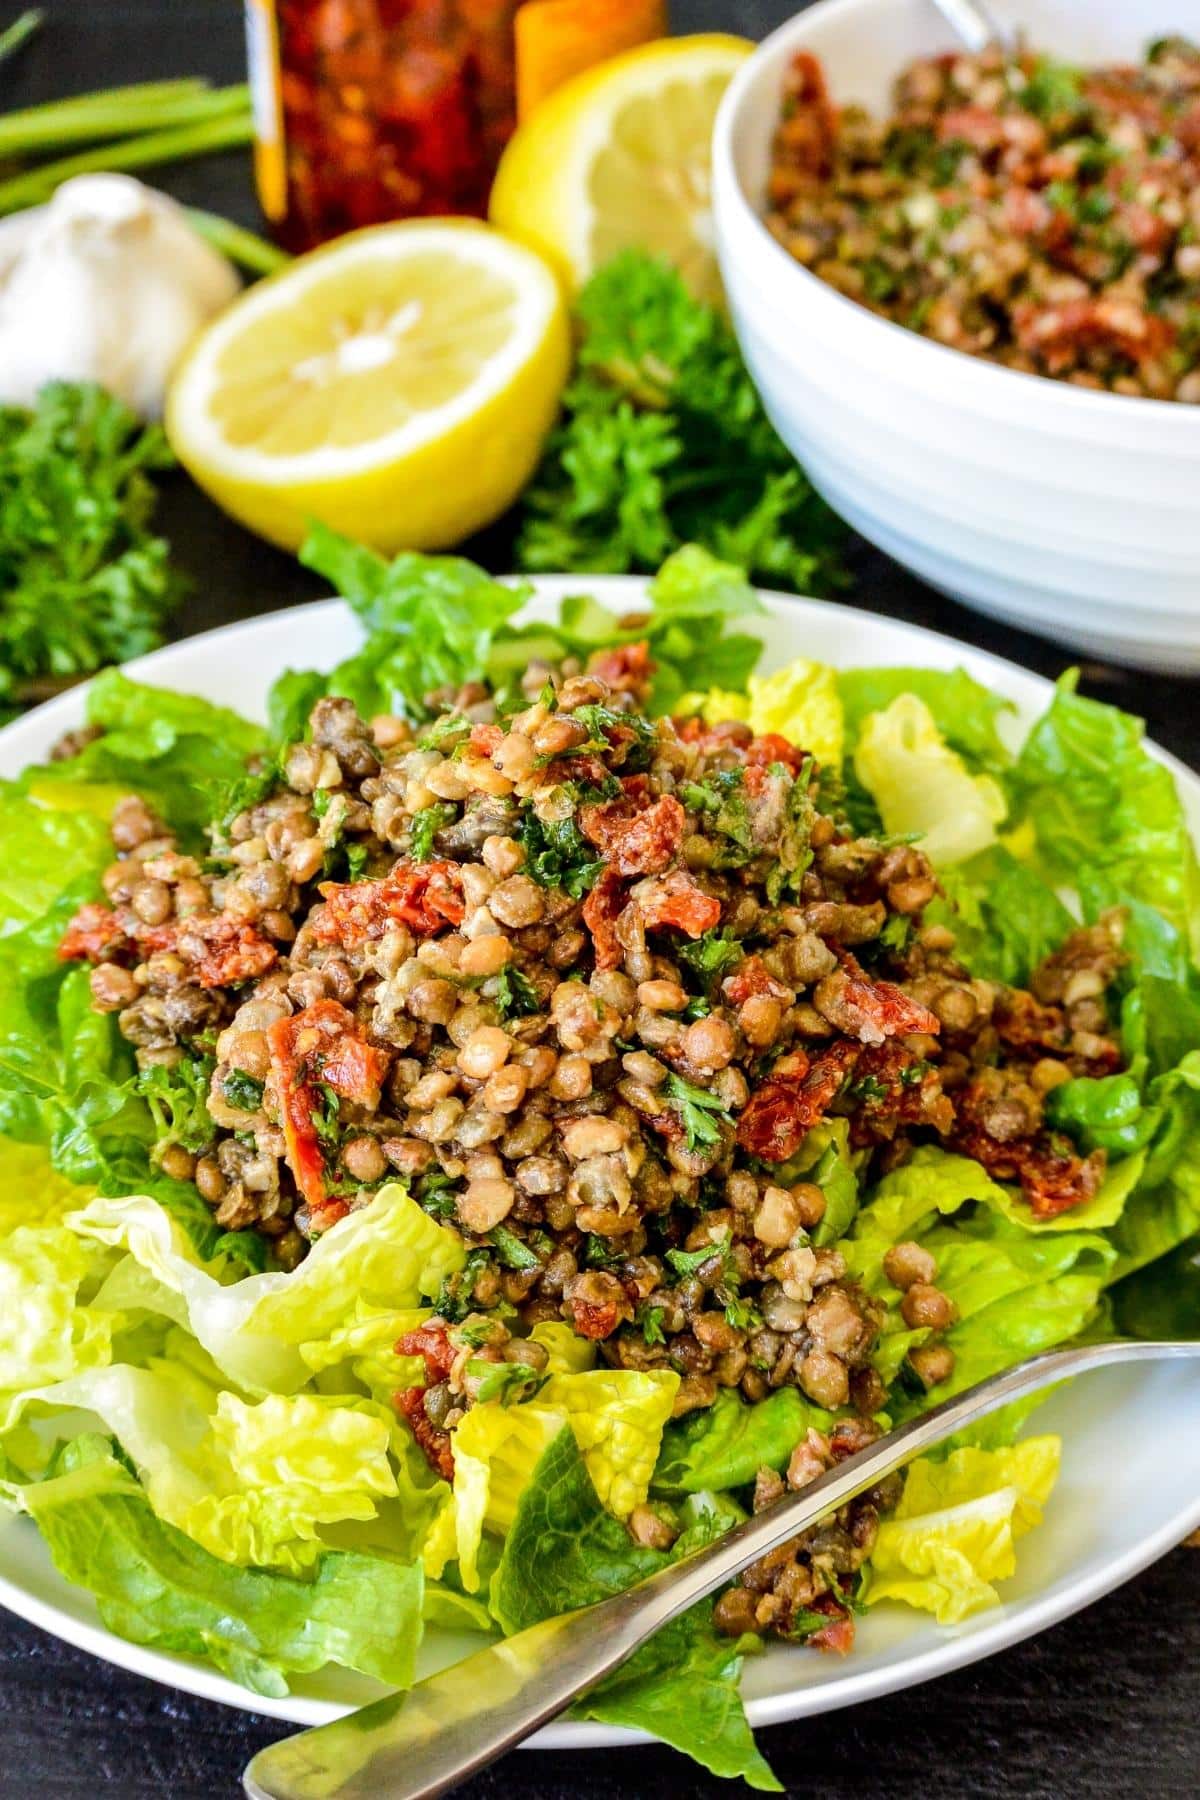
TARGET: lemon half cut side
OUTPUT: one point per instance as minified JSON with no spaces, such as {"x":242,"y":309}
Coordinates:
{"x":622,"y":156}
{"x":396,"y":385}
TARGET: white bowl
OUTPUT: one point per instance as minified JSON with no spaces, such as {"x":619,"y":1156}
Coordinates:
{"x":1070,"y":512}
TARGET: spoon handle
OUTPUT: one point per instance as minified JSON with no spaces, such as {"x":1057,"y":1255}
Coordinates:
{"x":411,"y":1747}
{"x":977,"y":25}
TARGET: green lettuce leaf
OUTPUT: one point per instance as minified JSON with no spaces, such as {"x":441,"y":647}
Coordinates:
{"x":953,"y":1535}
{"x":176,"y":750}
{"x":1107,"y":816}
{"x":729,"y":1442}
{"x":1006,"y":919}
{"x":389,"y":1253}
{"x":565,"y":1551}
{"x":154,"y":1586}
{"x":253,"y":1483}
{"x":964,"y":711}
{"x":922,"y":787}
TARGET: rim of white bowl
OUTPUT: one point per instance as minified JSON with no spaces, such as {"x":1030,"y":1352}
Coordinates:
{"x":996,"y":379}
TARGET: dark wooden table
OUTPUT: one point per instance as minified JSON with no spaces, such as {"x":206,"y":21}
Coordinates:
{"x":1102,"y":1705}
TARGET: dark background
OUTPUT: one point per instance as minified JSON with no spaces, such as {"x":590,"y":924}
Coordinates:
{"x":1103,"y":1705}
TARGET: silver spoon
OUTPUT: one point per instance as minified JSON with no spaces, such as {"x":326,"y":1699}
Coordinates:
{"x":410,"y":1747}
{"x":977,"y":25}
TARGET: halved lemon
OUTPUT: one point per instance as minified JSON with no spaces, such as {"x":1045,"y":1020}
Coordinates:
{"x":396,"y":385}
{"x":621,"y":156}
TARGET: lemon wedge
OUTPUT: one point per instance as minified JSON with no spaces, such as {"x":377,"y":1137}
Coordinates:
{"x":396,"y":385}
{"x":621,"y":156}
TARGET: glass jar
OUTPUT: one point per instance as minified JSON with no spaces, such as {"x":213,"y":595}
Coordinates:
{"x":368,"y":110}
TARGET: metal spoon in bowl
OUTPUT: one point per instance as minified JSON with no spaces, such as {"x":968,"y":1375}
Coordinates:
{"x":411,"y":1747}
{"x":977,"y":25}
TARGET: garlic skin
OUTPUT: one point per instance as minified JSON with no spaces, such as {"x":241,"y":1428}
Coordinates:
{"x":108,"y":284}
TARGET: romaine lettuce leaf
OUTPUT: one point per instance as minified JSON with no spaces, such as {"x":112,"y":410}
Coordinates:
{"x":617,"y":1417}
{"x":1107,"y":815}
{"x":388,"y":1253}
{"x":922,"y":787}
{"x":952,"y":1536}
{"x":175,"y":750}
{"x":153,"y":1585}
{"x":1006,"y":919}
{"x":253,"y":1483}
{"x":964,"y":711}
{"x":725,"y":1445}
{"x":565,"y":1551}
{"x":799,"y":701}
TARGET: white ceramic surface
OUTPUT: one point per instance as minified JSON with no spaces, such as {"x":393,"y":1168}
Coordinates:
{"x":1108,"y":1518}
{"x":1072,"y":513}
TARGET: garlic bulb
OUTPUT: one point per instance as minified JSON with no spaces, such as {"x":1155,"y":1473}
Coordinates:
{"x":108,"y":283}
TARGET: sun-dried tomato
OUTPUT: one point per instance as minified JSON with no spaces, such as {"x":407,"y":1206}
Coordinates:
{"x":676,"y":900}
{"x":810,"y":124}
{"x":771,"y":748}
{"x":424,"y":896}
{"x":432,"y":1344}
{"x":601,"y":910}
{"x":752,"y":977}
{"x":626,"y":669}
{"x":93,"y":930}
{"x":485,"y":738}
{"x":785,"y":1108}
{"x":873,"y":1011}
{"x":595,"y":1322}
{"x":320,"y":1046}
{"x":228,"y":951}
{"x":1054,"y":1178}
{"x":1024,"y":1023}
{"x":838,"y":1635}
{"x":433,"y":1440}
{"x":1057,"y":332}
{"x":895,"y":1087}
{"x":635,"y":842}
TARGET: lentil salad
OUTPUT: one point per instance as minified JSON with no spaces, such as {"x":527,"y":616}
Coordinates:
{"x":1035,"y":214}
{"x":625,"y":1106}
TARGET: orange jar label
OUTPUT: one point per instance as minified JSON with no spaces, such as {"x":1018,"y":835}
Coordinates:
{"x":266,"y":91}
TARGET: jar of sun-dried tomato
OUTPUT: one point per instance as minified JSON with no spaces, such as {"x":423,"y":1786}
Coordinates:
{"x":369,"y":110}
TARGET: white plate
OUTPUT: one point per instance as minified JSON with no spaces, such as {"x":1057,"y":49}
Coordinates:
{"x":1130,"y":1486}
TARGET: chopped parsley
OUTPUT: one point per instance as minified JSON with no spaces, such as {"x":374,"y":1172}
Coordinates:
{"x":455,"y":1295}
{"x":711,"y":954}
{"x":440,"y":733}
{"x":516,"y":996}
{"x":507,"y":1382}
{"x":557,"y":855}
{"x":696,"y":1107}
{"x":425,"y":826}
{"x":721,"y":799}
{"x":242,"y":1090}
{"x":511,"y":1253}
{"x":686,"y":1262}
{"x":649,"y":1323}
{"x":178,"y":1101}
{"x":437,"y":1194}
{"x":326,"y":1117}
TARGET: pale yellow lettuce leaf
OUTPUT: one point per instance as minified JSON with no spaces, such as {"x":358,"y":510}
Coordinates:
{"x":954,"y":1533}
{"x":921,"y":786}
